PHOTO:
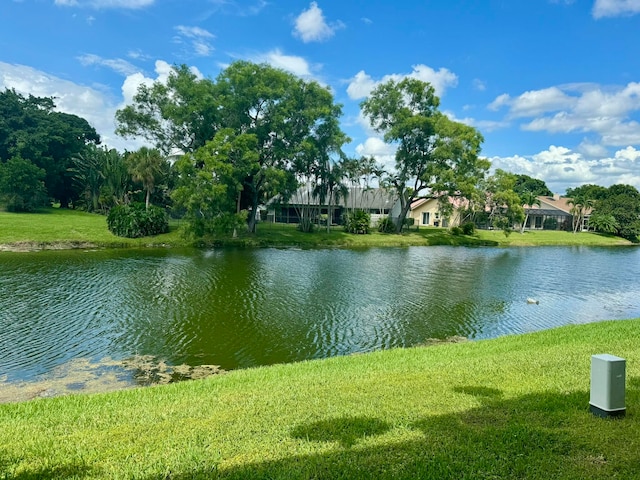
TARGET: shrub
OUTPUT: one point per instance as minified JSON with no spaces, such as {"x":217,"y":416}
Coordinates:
{"x":386,"y":225}
{"x":357,"y":221}
{"x":468,"y":228}
{"x":550,"y":223}
{"x":456,"y":231}
{"x":134,"y":221}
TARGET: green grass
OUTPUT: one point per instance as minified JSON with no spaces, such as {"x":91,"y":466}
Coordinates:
{"x":61,"y":228}
{"x":513,"y":407}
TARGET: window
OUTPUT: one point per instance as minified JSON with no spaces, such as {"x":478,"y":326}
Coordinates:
{"x":425,"y":218}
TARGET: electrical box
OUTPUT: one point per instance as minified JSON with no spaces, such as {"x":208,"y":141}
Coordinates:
{"x":607,"y":385}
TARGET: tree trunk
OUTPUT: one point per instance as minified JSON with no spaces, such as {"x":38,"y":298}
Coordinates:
{"x":251,"y":221}
{"x":148,"y":197}
{"x":403,"y":214}
{"x":524,"y":223}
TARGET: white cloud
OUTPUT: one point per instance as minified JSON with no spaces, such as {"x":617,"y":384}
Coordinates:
{"x":116,"y":64}
{"x":585,"y":108}
{"x":563,"y":168}
{"x":362,"y":84}
{"x":311,"y":26}
{"x":100,"y":4}
{"x":96,"y":106}
{"x":615,"y":8}
{"x":384,"y":153}
{"x":479,"y":85}
{"x":198,"y":38}
{"x":291,"y":63}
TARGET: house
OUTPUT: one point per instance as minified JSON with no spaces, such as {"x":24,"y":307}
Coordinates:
{"x":426,"y":212}
{"x":553,"y":213}
{"x":377,"y":202}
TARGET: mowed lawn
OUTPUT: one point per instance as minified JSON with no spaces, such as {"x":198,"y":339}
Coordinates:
{"x":62,"y":228}
{"x":515,"y":407}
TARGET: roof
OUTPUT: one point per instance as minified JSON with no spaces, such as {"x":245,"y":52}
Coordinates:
{"x":555,"y":205}
{"x":358,"y":197}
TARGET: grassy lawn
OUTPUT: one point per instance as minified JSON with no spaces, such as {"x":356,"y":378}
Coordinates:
{"x":513,"y":407}
{"x":56,"y":228}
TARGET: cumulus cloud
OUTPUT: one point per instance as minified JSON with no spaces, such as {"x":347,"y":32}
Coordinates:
{"x":311,"y":25}
{"x":579,"y":108}
{"x":362,"y":83}
{"x":116,"y":64}
{"x":103,"y":4}
{"x":563,"y":168}
{"x":197,"y":37}
{"x":384,"y":153}
{"x":291,"y":63}
{"x":615,"y":8}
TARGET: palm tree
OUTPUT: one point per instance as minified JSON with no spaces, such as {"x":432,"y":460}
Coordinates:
{"x":146,"y":166}
{"x":580,"y":206}
{"x":527,"y":199}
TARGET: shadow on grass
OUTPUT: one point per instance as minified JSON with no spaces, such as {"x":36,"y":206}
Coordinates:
{"x":52,"y":472}
{"x":542,"y":435}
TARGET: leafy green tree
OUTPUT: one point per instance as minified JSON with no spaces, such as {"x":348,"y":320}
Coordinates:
{"x":180,"y":115}
{"x":433,"y":152}
{"x":211,"y":182}
{"x":288,"y":117}
{"x":87,"y":172}
{"x":504,"y":204}
{"x":528,"y":199}
{"x":147,"y":166}
{"x":623,"y":203}
{"x":22,"y":185}
{"x":603,"y":222}
{"x":525,"y":183}
{"x":30,"y":128}
{"x":594,"y":192}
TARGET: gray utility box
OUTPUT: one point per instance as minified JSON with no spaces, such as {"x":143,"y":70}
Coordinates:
{"x":607,"y":385}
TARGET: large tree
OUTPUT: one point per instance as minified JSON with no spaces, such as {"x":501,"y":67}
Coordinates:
{"x":434,"y":152}
{"x":176,"y":116}
{"x":31,"y":128}
{"x":283,"y":114}
{"x":149,"y":167}
{"x":623,"y":203}
{"x":525,"y":183}
{"x":289,"y":118}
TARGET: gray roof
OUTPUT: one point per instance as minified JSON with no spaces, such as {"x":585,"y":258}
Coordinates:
{"x":373,"y":198}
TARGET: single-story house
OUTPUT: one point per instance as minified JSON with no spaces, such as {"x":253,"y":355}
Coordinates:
{"x":377,"y":202}
{"x":553,"y":213}
{"x":426,"y":213}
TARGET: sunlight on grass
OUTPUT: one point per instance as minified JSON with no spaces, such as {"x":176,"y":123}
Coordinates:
{"x":513,"y":407}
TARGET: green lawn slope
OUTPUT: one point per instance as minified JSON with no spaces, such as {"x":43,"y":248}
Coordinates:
{"x":511,"y":408}
{"x":60,"y":228}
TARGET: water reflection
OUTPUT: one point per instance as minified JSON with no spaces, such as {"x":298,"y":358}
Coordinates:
{"x":241,"y":308}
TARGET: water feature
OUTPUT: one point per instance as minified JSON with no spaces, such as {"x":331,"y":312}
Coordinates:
{"x":248,"y":307}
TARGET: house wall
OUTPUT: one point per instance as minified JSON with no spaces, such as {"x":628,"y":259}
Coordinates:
{"x":432,"y":209}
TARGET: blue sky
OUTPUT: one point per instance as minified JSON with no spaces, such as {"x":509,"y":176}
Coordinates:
{"x":553,"y":85}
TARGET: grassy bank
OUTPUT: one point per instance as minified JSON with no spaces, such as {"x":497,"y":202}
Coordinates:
{"x":56,"y":228}
{"x":513,"y":407}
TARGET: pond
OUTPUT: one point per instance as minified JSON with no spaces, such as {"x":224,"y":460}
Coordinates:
{"x":239,"y":308}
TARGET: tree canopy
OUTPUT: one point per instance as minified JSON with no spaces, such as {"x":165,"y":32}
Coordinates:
{"x":434,"y":152}
{"x":31,"y":129}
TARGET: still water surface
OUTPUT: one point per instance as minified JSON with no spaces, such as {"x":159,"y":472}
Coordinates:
{"x":242,"y":308}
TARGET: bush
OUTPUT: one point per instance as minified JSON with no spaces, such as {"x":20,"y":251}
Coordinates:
{"x":456,"y":231}
{"x":468,"y":228}
{"x":550,"y":223}
{"x":386,"y":225}
{"x":357,"y":221}
{"x":134,"y":221}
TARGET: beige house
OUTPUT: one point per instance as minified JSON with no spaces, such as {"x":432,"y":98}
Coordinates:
{"x":426,"y":213}
{"x":554,"y":213}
